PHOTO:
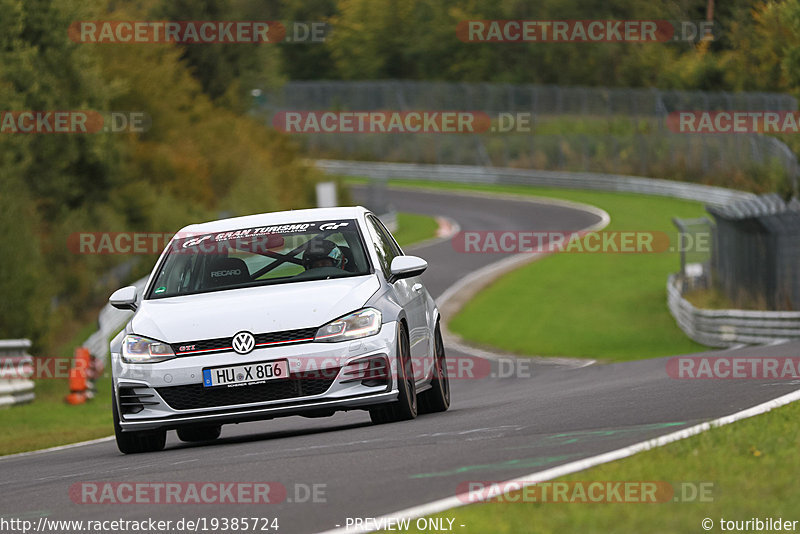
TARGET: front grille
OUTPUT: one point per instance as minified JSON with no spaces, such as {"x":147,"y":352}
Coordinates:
{"x":223,"y":344}
{"x":194,"y":396}
{"x":220,"y":343}
{"x":302,"y":334}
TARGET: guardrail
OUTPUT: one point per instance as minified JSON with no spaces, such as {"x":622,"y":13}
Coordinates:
{"x":726,"y":328}
{"x":13,"y":358}
{"x":109,"y":322}
{"x":508,"y":176}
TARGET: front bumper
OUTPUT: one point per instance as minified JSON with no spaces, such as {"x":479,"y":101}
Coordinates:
{"x":155,"y":385}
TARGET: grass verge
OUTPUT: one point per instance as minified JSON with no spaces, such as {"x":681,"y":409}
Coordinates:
{"x":49,"y":421}
{"x":606,"y":306}
{"x":413,"y":228}
{"x":749,"y":467}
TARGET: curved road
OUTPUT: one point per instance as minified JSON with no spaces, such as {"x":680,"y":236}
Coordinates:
{"x":497,"y":428}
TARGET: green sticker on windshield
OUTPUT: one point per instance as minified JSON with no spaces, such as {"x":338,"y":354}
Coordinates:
{"x":160,"y":290}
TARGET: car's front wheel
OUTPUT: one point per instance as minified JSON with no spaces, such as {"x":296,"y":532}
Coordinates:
{"x":437,"y":399}
{"x":136,"y":442}
{"x":405,"y":407}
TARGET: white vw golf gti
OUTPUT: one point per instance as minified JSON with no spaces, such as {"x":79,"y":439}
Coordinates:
{"x":304,"y":312}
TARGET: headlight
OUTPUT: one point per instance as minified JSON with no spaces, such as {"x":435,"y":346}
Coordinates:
{"x":138,"y":349}
{"x":363,"y":323}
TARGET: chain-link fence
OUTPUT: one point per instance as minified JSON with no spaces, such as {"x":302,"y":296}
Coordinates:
{"x":495,"y":98}
{"x":756,"y":252}
{"x":618,"y":131}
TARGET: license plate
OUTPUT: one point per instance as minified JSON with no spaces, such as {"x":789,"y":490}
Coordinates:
{"x":245,"y":375}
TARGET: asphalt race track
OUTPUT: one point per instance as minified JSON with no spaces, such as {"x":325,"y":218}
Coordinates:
{"x":497,"y":428}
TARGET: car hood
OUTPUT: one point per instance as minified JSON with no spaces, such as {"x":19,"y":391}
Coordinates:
{"x":255,"y":309}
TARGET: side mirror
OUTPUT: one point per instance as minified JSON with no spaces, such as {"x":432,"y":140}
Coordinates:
{"x":124,"y":298}
{"x":407,"y":266}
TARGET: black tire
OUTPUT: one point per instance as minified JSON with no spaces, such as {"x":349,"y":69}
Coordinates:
{"x":199,"y":433}
{"x":405,"y":408}
{"x":137,"y":442}
{"x":437,"y":399}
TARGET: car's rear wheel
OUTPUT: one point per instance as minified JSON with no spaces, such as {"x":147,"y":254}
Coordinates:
{"x":405,"y":408}
{"x":437,"y":399}
{"x":199,"y":433}
{"x":136,"y":442}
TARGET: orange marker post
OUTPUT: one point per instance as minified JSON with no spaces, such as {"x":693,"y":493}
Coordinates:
{"x":77,"y":377}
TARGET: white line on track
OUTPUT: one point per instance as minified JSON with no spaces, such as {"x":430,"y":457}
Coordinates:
{"x":59,"y":448}
{"x":448,"y":503}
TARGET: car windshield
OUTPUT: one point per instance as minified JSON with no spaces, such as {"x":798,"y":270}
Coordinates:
{"x":247,"y":257}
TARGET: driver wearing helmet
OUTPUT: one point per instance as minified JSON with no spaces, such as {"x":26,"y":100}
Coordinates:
{"x":324,"y":253}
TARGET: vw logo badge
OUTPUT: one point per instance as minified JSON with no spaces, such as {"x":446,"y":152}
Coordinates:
{"x":243,"y":342}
